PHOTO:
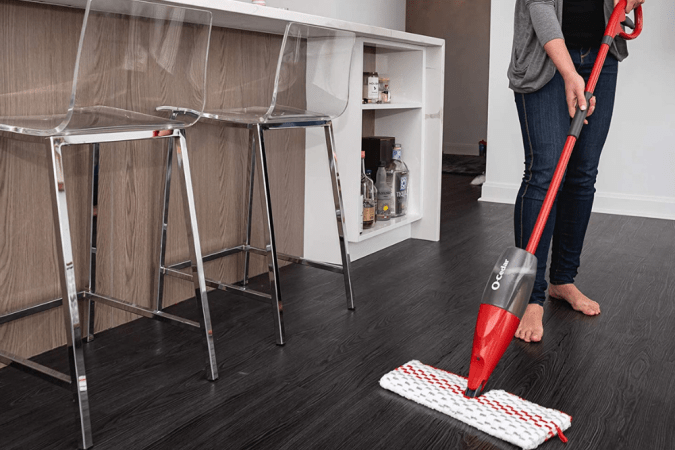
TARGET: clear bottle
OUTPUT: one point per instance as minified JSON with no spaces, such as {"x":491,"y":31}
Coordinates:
{"x":368,"y":196}
{"x":398,"y":180}
{"x":384,"y":91}
{"x":384,"y":197}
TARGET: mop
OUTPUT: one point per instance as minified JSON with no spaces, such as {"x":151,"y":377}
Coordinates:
{"x":497,"y":413}
{"x":505,"y":298}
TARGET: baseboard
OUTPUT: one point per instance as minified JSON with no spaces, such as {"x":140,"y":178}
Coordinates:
{"x":605,"y":202}
{"x":499,"y":192}
{"x":635,"y":205}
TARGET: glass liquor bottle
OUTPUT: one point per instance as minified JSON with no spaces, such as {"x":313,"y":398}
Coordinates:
{"x":398,"y":180}
{"x":368,"y":194}
{"x":384,"y":197}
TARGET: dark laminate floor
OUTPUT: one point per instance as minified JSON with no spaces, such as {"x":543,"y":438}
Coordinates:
{"x":615,"y":374}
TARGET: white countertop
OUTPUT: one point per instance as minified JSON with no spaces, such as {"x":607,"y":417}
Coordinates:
{"x":266,"y":19}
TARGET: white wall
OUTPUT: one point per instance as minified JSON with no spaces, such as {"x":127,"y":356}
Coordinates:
{"x":637,"y":169}
{"x":380,"y":13}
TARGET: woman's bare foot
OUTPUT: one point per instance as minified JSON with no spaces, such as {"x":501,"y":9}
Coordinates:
{"x":574,"y":297}
{"x":531,"y":328}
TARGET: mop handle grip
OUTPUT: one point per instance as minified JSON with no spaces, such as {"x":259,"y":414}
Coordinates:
{"x":636,"y":26}
{"x":613,"y":29}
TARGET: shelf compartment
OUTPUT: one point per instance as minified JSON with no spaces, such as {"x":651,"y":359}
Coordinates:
{"x":403,"y":65}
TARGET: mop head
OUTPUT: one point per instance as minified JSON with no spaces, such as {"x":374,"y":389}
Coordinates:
{"x":497,"y":413}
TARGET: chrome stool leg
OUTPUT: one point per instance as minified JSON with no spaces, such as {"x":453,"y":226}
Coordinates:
{"x":93,"y":235}
{"x":247,"y":256}
{"x":69,"y":289}
{"x":273,"y":265}
{"x":339,"y":213}
{"x":159,"y":305}
{"x":196,"y":255}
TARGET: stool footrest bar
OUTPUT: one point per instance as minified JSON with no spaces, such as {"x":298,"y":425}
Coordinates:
{"x":336,"y":268}
{"x":308,"y":262}
{"x":298,"y":260}
{"x":29,"y":311}
{"x":246,"y":292}
{"x":250,"y":293}
{"x":33,"y":368}
{"x":150,"y":314}
{"x":210,"y":257}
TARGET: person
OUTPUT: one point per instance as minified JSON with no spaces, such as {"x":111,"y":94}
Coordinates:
{"x":555,"y":46}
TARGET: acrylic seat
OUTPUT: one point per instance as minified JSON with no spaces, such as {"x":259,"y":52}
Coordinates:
{"x":111,"y":95}
{"x":310,"y":89}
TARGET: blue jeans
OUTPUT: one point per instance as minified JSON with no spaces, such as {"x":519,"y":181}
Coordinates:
{"x":544,"y":122}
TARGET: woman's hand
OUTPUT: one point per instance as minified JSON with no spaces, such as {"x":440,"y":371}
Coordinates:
{"x":574,"y":83}
{"x":575,"y":88}
{"x":631,"y":4}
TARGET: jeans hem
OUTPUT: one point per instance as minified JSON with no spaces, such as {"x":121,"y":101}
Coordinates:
{"x":536,"y":302}
{"x":561,"y":282}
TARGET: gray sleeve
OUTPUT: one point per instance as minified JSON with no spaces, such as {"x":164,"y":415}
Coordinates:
{"x":545,"y":20}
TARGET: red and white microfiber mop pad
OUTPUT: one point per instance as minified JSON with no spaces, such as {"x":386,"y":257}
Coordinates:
{"x":497,"y":413}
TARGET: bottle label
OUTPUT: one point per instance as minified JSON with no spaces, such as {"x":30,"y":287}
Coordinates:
{"x":373,"y":88}
{"x":397,"y":154}
{"x":383,"y":206}
{"x":368,"y":213}
{"x":404,"y":183}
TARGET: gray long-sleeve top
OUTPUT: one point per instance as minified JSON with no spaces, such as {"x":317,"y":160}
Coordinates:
{"x":536,"y":23}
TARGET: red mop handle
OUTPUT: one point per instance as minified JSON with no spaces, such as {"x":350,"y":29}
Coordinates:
{"x":613,"y":28}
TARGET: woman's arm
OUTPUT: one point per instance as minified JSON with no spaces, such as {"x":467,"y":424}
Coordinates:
{"x":549,"y":32}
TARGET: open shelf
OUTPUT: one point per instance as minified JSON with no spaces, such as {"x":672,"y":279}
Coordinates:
{"x":403,"y":66}
{"x":407,"y":105}
{"x":386,"y":226}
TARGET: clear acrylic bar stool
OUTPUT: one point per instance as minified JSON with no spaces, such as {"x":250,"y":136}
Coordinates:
{"x":124,"y":47}
{"x":320,"y":59}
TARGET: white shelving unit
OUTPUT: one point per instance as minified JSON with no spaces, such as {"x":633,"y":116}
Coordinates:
{"x":414,"y":118}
